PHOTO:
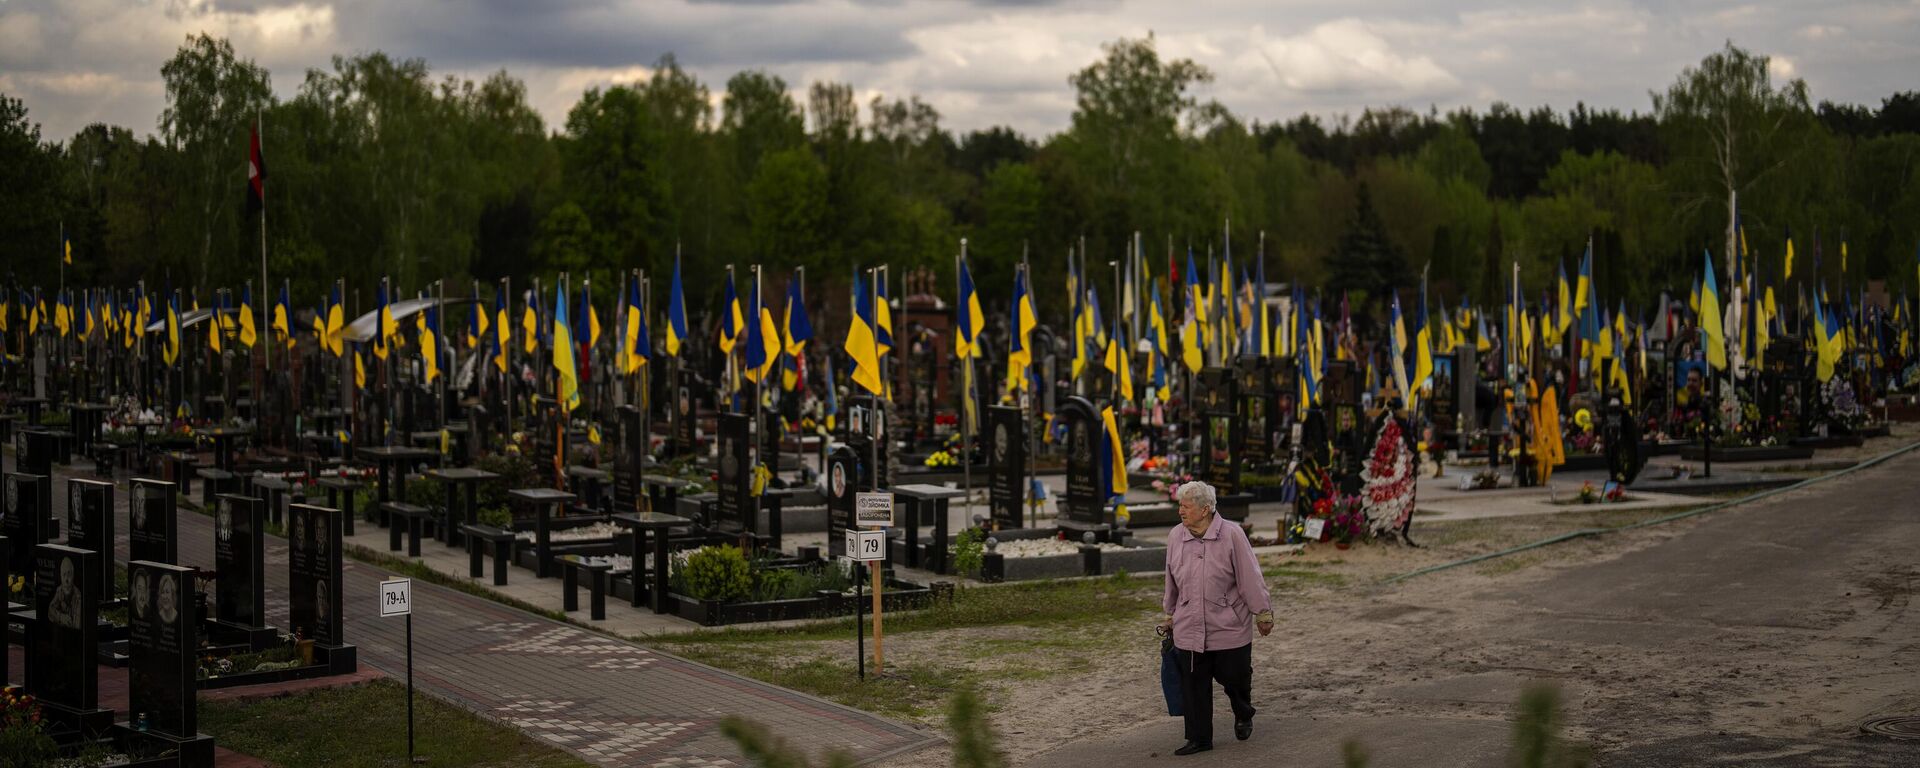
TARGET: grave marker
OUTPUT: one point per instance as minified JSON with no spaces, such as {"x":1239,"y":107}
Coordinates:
{"x":239,"y":557}
{"x":1007,"y":463}
{"x":152,"y":520}
{"x":60,"y":649}
{"x":162,"y":641}
{"x":735,"y":487}
{"x":843,"y":482}
{"x":314,"y":570}
{"x":1084,"y":500}
{"x":28,"y":501}
{"x":90,"y":522}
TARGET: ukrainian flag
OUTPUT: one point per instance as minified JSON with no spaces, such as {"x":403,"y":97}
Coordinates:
{"x":569,"y":390}
{"x":732,"y":322}
{"x":502,"y":331}
{"x":1195,"y":324}
{"x":676,"y":313}
{"x":860,"y":343}
{"x":1020,"y":343}
{"x":971,"y":320}
{"x":1710,"y":322}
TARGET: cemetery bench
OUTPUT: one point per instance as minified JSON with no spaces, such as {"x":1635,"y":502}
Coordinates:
{"x":182,"y":467}
{"x":6,"y":427}
{"x":390,"y":472}
{"x":340,"y":495}
{"x":84,"y":419}
{"x":495,"y":540}
{"x":775,"y":501}
{"x":592,"y":484}
{"x":650,"y":531}
{"x":104,"y":456}
{"x":410,"y":516}
{"x":321,"y":444}
{"x":1234,"y":506}
{"x":596,"y":573}
{"x":926,"y":501}
{"x":460,"y":508}
{"x":545,"y":502}
{"x":214,"y":482}
{"x":275,"y":494}
{"x":62,"y":446}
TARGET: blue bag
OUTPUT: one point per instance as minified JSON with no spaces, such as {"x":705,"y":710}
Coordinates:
{"x":1170,"y":677}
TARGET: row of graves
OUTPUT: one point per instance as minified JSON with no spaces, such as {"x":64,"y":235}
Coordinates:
{"x":177,"y":629}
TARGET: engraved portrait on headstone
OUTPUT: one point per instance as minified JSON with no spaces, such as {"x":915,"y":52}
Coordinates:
{"x":138,"y":508}
{"x":222,"y":521}
{"x":141,"y":592}
{"x":64,"y":611}
{"x":168,"y":598}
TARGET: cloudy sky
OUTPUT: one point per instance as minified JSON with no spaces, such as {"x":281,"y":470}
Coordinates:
{"x":981,"y":62}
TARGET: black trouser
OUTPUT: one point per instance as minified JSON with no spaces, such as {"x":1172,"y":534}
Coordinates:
{"x":1233,"y":667}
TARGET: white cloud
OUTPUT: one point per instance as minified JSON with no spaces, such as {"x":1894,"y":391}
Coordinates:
{"x":1349,"y":56}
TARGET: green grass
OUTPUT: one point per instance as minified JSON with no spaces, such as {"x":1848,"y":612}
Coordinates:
{"x":364,"y":726}
{"x":911,"y":691}
{"x":1028,"y":604}
{"x":415,"y":569}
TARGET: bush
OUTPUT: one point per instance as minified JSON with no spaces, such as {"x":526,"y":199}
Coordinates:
{"x":969,"y":552}
{"x":497,"y":517}
{"x":514,"y":472}
{"x":22,"y":741}
{"x":718,"y":573}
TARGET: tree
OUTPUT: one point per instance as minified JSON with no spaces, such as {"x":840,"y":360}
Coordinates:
{"x":1730,"y":130}
{"x":787,"y":204}
{"x":29,"y":175}
{"x":1367,"y":260}
{"x":613,"y":157}
{"x":213,"y":97}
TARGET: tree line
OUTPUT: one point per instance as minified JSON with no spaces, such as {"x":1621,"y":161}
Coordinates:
{"x":377,"y":166}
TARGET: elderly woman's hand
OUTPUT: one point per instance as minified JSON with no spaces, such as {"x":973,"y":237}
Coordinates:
{"x":1165,"y":627}
{"x":1264,"y":621}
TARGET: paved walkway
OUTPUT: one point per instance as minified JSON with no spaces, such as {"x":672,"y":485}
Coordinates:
{"x":611,"y":702}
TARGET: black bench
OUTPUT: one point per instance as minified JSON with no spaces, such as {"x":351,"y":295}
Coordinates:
{"x":181,"y":467}
{"x":409,"y":516}
{"x":499,"y":542}
{"x":596,"y":586}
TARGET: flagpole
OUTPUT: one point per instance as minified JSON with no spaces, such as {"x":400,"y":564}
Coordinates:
{"x":643,"y":399}
{"x":759,"y":413}
{"x":966,"y":391}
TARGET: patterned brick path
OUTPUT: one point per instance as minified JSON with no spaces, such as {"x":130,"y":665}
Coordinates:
{"x":610,"y":701}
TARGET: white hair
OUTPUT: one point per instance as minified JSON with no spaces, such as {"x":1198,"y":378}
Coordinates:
{"x":1197,"y":493}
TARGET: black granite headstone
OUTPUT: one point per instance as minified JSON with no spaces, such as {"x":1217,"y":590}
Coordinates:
{"x":60,"y":661}
{"x":1222,"y":429}
{"x":27,"y":507}
{"x":1255,"y":404}
{"x":34,"y":451}
{"x":152,"y":520}
{"x":735,"y":485}
{"x":161,"y":642}
{"x":314,"y":566}
{"x":843,"y":481}
{"x":90,"y":522}
{"x":6,"y":577}
{"x":686,"y":414}
{"x":239,"y":559}
{"x":1084,"y":500}
{"x":1007,"y":463}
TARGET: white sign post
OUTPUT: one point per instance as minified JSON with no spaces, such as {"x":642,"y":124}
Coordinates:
{"x":866,"y":546}
{"x":871,"y":509}
{"x":396,"y":599}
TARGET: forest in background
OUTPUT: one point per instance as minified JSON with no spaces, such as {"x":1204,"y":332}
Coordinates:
{"x":377,"y":166}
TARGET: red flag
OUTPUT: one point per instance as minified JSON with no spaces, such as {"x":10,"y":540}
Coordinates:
{"x":256,"y":176}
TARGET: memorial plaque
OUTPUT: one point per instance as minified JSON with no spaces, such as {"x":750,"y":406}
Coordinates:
{"x":161,"y":643}
{"x":735,"y":486}
{"x":27,"y":509}
{"x":686,"y":414}
{"x":239,"y":557}
{"x":90,"y":523}
{"x":1255,"y":406}
{"x":843,"y":482}
{"x":313,"y":562}
{"x":1007,"y":465}
{"x":1222,"y":426}
{"x":60,"y":663}
{"x":1085,"y":498}
{"x":152,"y":520}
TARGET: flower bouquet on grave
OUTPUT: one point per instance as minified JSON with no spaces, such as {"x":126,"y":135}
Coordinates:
{"x":1349,"y":521}
{"x":1588,"y":494}
{"x":1614,"y":493}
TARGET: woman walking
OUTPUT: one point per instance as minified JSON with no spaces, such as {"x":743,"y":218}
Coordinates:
{"x":1215,"y":598}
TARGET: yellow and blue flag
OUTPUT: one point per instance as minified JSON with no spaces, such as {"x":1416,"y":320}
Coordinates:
{"x":860,"y":343}
{"x":1020,"y":341}
{"x":676,"y":313}
{"x":1710,"y":321}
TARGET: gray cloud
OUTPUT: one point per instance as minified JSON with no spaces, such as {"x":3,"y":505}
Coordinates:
{"x":981,"y":62}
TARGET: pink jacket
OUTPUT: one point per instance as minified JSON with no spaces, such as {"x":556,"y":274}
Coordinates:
{"x":1214,"y":587}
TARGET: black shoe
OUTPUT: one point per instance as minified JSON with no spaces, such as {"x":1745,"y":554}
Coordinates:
{"x":1243,"y":729}
{"x":1192,"y":747}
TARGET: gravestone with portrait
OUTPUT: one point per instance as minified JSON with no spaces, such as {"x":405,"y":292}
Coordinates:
{"x":1221,"y":429}
{"x":90,"y":523}
{"x":162,"y":645}
{"x":314,"y":574}
{"x":1283,"y":386}
{"x":60,"y":657}
{"x":686,"y":415}
{"x":866,"y":431}
{"x":1443,"y":400}
{"x":843,"y":481}
{"x":1083,"y":508}
{"x":1007,"y":466}
{"x":239,"y":561}
{"x":28,"y":520}
{"x":152,"y":520}
{"x":1254,"y":405}
{"x":735,"y":474}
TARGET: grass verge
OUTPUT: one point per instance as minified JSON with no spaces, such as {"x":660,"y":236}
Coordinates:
{"x":364,"y":726}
